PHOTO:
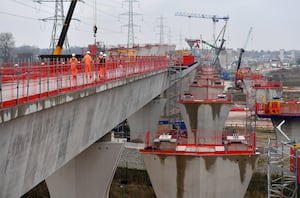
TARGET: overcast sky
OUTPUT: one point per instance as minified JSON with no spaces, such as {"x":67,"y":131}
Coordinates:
{"x":276,"y":23}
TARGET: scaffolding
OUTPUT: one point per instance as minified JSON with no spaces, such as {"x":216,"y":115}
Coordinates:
{"x":172,"y":93}
{"x":172,"y":109}
{"x":250,"y":110}
{"x":282,"y":182}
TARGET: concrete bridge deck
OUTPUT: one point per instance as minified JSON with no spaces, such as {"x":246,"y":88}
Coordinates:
{"x":42,"y":135}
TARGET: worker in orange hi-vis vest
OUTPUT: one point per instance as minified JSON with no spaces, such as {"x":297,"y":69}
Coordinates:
{"x":87,"y":59}
{"x":101,"y":65}
{"x":73,"y":62}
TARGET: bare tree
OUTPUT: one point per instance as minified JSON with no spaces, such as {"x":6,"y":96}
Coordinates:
{"x":7,"y":43}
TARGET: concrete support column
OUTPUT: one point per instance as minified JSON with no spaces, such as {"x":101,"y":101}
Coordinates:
{"x":146,"y":119}
{"x":87,"y":175}
{"x":207,"y":118}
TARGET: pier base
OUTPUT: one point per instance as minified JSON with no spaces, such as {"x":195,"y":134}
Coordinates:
{"x":87,"y":175}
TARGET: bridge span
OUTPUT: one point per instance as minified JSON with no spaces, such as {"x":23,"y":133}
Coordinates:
{"x":56,"y":133}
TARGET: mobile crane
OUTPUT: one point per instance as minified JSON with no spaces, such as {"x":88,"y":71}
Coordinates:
{"x":238,"y":82}
{"x":62,"y":37}
{"x":58,"y":49}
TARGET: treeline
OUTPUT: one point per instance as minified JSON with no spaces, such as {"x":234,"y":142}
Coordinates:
{"x":10,"y":53}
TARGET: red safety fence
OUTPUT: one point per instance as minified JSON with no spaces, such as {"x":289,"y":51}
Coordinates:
{"x":205,"y":96}
{"x":28,"y":81}
{"x":263,"y":83}
{"x":227,"y":141}
{"x":276,"y":107}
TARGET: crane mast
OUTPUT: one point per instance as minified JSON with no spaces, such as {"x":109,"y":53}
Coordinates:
{"x":238,"y":76}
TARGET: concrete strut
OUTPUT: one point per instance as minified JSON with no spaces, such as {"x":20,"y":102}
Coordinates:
{"x":145,"y":119}
{"x":207,"y":117}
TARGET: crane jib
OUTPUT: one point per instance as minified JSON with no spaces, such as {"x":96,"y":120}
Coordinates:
{"x":64,"y":31}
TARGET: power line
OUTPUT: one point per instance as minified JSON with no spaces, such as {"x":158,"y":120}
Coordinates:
{"x":100,"y":11}
{"x":32,"y":7}
{"x":16,"y":15}
{"x":28,"y":6}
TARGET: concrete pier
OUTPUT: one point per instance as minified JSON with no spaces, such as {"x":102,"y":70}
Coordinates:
{"x":212,"y":176}
{"x":146,"y":119}
{"x":87,"y":175}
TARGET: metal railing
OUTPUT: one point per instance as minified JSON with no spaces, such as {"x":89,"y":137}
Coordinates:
{"x":227,"y":141}
{"x":282,"y":107}
{"x":26,"y":81}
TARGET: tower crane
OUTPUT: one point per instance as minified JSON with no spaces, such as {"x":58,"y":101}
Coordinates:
{"x":205,"y":16}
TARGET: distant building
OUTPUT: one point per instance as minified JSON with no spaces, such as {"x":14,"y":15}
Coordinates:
{"x":293,"y":56}
{"x":281,"y":55}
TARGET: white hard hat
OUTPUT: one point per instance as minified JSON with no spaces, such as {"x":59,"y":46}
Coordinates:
{"x":73,"y":54}
{"x":101,"y":53}
{"x":104,"y":54}
{"x":88,"y":52}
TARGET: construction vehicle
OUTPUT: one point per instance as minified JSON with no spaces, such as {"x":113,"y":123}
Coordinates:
{"x":239,"y":75}
{"x":238,"y":81}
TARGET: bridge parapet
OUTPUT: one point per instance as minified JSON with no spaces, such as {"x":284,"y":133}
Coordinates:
{"x":42,"y":103}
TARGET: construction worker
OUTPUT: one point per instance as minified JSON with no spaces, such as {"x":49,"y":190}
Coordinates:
{"x":73,"y":63}
{"x":104,"y":60}
{"x":87,"y":59}
{"x":101,"y":64}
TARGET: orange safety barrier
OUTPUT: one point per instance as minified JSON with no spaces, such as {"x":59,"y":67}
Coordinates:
{"x":274,"y":107}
